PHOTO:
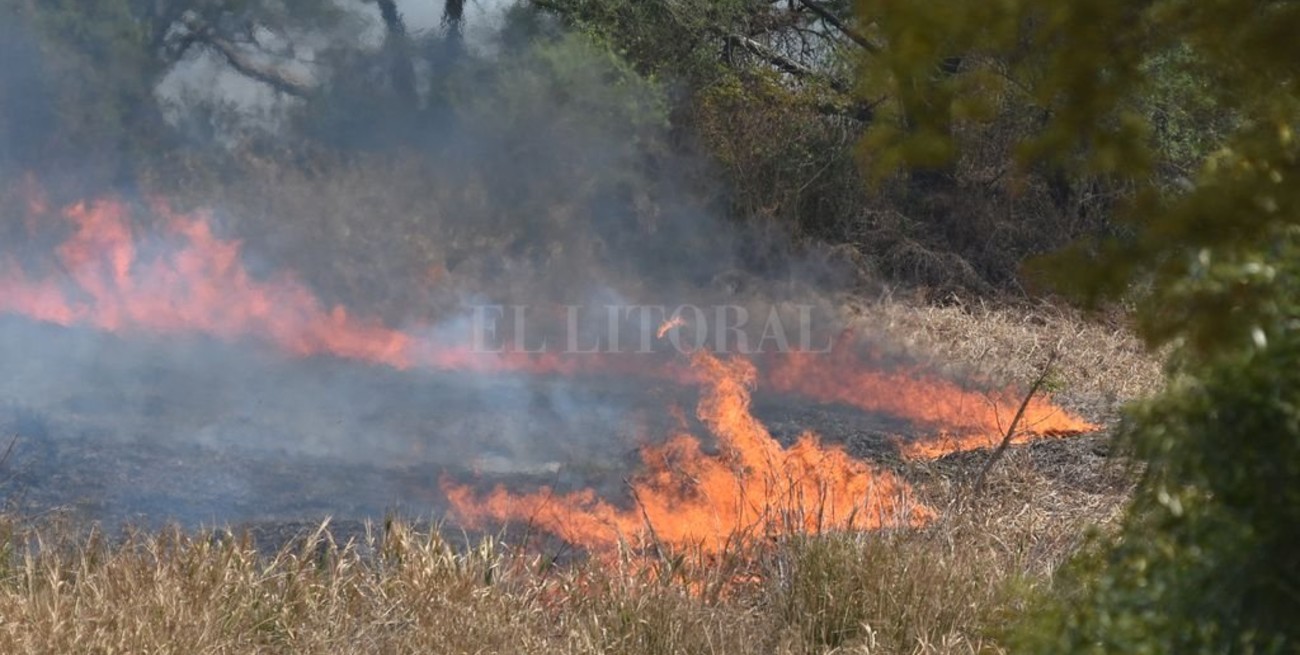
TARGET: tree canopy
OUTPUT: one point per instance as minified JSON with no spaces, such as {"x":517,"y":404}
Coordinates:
{"x":1205,"y":559}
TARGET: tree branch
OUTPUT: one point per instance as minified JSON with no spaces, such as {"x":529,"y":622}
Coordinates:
{"x":269,"y":75}
{"x":248,"y":66}
{"x":784,"y":63}
{"x":843,"y":27}
{"x":859,"y":110}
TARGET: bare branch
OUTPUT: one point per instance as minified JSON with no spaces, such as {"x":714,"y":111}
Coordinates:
{"x":246,"y":64}
{"x":784,"y":63}
{"x":249,"y":67}
{"x":843,"y":27}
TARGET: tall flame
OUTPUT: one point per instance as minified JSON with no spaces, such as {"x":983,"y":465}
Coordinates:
{"x":752,"y":488}
{"x":198,"y":284}
{"x":201,"y":286}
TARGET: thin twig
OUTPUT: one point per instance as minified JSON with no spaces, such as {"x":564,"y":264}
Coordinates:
{"x":650,"y":527}
{"x":9,"y":450}
{"x":1011,"y":429}
{"x":4,"y":460}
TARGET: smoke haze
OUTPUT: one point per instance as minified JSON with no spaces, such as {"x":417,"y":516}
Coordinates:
{"x":264,"y":303}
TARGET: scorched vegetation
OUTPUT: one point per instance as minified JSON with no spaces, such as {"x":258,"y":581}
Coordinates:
{"x":247,"y":249}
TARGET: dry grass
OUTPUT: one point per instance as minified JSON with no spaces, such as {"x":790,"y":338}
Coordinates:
{"x":952,"y":587}
{"x":1100,"y":365}
{"x":955,"y":586}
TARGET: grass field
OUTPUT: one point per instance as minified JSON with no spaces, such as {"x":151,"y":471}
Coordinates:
{"x":954,"y":586}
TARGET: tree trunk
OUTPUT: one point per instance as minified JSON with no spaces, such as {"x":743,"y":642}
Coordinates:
{"x":398,"y":49}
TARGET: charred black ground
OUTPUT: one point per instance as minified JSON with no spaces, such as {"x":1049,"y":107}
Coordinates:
{"x":157,"y":429}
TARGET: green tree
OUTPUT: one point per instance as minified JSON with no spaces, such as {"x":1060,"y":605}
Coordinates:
{"x":1205,"y":560}
{"x":766,"y":90}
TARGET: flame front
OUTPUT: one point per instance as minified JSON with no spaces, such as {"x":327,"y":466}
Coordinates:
{"x":960,"y":419}
{"x":687,"y":498}
{"x":107,"y":280}
{"x":200,"y":287}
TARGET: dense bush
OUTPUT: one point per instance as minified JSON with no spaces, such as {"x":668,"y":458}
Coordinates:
{"x":1204,"y":561}
{"x":756,"y":106}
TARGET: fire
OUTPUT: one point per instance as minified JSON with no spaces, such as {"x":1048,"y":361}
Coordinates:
{"x":670,"y":325}
{"x":688,"y":498}
{"x":195,"y":282}
{"x":960,"y":419}
{"x":201,"y":286}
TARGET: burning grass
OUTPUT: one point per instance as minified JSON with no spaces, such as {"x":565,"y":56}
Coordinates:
{"x":686,"y":498}
{"x":950,"y":587}
{"x":953,"y":585}
{"x":108,"y":275}
{"x":719,"y":552}
{"x":1100,"y":364}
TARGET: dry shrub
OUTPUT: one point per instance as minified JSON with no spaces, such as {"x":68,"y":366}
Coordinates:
{"x":785,"y":161}
{"x":394,"y":235}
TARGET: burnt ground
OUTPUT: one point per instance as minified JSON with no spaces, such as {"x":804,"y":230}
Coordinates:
{"x":152,"y":430}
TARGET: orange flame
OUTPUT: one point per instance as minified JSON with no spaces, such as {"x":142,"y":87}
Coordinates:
{"x":201,"y":285}
{"x":685,"y":497}
{"x":961,"y":419}
{"x":669,"y":325}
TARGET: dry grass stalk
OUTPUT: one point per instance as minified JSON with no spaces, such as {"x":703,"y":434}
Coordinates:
{"x":947,"y":588}
{"x":1015,"y":422}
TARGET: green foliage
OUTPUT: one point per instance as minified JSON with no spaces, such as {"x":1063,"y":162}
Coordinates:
{"x":780,"y":141}
{"x":1188,"y":121}
{"x":1214,"y":255}
{"x":1205,"y":562}
{"x":675,"y":39}
{"x":783,"y":161}
{"x":1118,"y":88}
{"x":952,"y":61}
{"x":572,"y":83}
{"x":1147,"y":92}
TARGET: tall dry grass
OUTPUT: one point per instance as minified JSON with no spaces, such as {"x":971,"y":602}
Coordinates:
{"x":1100,"y":364}
{"x":952,"y":587}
